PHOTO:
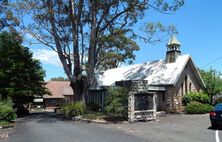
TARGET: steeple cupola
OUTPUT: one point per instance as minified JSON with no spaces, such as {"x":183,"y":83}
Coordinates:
{"x":173,"y":50}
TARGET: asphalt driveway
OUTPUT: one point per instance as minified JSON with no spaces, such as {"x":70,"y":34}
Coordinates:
{"x":173,"y":128}
{"x":47,"y":127}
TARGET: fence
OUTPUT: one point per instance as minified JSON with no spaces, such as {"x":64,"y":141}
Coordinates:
{"x":97,"y":97}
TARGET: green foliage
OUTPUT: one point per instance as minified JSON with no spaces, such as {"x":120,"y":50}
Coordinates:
{"x":93,"y":107}
{"x":59,"y":79}
{"x":21,"y":76}
{"x":73,"y":109}
{"x":213,"y":82}
{"x":197,"y":103}
{"x":198,"y":108}
{"x":195,"y":96}
{"x":4,"y":123}
{"x":6,"y":112}
{"x":117,"y":49}
{"x":117,"y":100}
{"x":7,"y":19}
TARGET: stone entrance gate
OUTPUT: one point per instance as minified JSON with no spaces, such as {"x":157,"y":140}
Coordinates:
{"x":141,"y":102}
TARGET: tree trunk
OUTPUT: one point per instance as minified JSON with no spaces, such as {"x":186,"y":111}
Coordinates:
{"x":92,"y":44}
{"x":76,"y":90}
{"x":80,"y":89}
{"x":211,"y":99}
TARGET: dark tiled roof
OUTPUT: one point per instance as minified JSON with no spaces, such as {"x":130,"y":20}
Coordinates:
{"x":58,"y":89}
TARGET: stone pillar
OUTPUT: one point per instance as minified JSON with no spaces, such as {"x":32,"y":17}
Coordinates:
{"x":154,"y":105}
{"x":131,"y":108}
{"x":168,"y":102}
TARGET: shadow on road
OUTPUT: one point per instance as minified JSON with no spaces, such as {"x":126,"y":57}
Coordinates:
{"x":212,"y":128}
{"x":43,"y":117}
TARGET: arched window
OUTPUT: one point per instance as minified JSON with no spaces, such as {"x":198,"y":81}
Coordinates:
{"x":186,"y":85}
{"x":182,"y":90}
{"x":190,"y":87}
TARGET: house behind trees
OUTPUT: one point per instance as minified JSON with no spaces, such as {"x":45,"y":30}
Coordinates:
{"x":61,"y":93}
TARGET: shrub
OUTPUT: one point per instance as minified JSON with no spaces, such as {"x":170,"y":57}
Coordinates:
{"x":117,"y":100}
{"x":198,"y":108}
{"x":93,"y":107}
{"x":6,"y":112}
{"x":20,"y":110}
{"x":197,"y":97}
{"x":65,"y":109}
{"x":73,"y":109}
{"x":4,"y":123}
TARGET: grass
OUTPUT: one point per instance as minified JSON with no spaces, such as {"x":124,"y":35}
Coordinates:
{"x":93,"y":115}
{"x":4,"y":123}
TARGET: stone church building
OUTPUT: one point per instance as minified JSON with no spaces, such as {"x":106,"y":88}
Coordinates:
{"x":170,"y":78}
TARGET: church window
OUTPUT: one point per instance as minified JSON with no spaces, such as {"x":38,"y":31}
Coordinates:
{"x":182,"y":90}
{"x":186,"y":85}
{"x":190,"y":87}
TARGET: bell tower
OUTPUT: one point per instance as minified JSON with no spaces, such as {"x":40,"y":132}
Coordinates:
{"x":173,"y":50}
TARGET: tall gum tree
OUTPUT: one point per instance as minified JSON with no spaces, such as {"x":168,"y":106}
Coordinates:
{"x":90,"y":35}
{"x":7,"y":19}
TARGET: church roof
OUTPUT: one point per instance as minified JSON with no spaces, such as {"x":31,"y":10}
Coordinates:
{"x":156,"y":72}
{"x":173,"y":40}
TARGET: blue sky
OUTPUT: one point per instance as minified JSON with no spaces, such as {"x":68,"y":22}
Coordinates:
{"x":199,"y":23}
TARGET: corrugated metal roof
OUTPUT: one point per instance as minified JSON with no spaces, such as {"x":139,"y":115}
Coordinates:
{"x":156,"y":72}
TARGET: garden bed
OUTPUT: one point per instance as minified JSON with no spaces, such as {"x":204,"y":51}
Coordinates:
{"x":101,"y":118}
{"x":5,"y":124}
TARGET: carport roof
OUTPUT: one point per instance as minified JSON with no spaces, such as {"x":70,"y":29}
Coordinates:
{"x":58,"y":89}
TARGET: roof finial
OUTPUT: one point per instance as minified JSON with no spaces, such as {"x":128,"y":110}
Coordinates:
{"x":173,"y":41}
{"x":173,"y":50}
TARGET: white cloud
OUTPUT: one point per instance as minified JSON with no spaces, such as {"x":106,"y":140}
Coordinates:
{"x":47,"y":57}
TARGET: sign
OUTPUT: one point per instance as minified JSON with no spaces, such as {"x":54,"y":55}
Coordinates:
{"x":40,"y":100}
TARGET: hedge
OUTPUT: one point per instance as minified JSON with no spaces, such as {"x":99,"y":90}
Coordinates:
{"x":198,"y":108}
{"x":196,"y":97}
{"x":73,"y":109}
{"x":6,"y":112}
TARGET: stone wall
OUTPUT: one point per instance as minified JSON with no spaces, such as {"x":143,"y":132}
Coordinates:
{"x":161,"y":105}
{"x":136,"y":87}
{"x":170,"y":102}
{"x":135,"y":115}
{"x":187,"y":83}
